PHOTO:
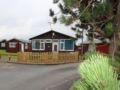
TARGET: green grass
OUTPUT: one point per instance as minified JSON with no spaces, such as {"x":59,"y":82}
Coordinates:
{"x":5,"y":54}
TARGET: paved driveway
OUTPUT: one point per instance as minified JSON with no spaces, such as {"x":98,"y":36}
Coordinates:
{"x":36,"y":77}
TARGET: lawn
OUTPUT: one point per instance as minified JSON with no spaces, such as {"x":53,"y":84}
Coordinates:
{"x":6,"y":55}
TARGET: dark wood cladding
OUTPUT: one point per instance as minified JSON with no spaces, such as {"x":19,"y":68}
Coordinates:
{"x":52,"y":35}
{"x":29,"y":47}
{"x":13,"y":50}
{"x":18,"y":46}
{"x":48,"y":47}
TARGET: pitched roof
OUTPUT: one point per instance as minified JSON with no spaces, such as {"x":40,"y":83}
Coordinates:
{"x":55,"y":32}
{"x":20,"y":40}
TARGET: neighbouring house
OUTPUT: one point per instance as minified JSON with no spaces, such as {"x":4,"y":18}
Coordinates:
{"x":53,"y":41}
{"x":100,"y":46}
{"x":3,"y":45}
{"x":17,"y":45}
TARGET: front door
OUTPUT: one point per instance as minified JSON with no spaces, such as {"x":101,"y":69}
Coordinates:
{"x":55,"y":47}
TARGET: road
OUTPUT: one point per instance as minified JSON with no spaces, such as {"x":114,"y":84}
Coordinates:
{"x":37,"y":77}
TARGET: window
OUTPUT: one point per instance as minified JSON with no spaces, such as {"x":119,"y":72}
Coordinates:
{"x":48,"y":41}
{"x":69,"y":45}
{"x":42,"y":46}
{"x":55,"y":40}
{"x":12,"y":45}
{"x":26,"y":46}
{"x":2,"y":44}
{"x":66,"y":45}
{"x":35,"y":44}
{"x":38,"y":45}
{"x":62,"y":45}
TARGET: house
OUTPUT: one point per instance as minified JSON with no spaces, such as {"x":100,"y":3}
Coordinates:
{"x":17,"y":45}
{"x":100,"y":46}
{"x":3,"y":45}
{"x":53,"y":41}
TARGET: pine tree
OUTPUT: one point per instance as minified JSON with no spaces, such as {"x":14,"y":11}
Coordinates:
{"x":93,"y":15}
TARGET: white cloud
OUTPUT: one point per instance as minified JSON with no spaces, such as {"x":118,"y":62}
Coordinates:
{"x":26,"y":18}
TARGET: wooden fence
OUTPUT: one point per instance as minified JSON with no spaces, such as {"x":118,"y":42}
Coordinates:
{"x":47,"y":57}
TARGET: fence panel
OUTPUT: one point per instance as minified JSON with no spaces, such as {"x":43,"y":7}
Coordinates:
{"x":48,"y":57}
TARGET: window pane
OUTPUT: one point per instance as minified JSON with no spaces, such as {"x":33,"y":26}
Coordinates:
{"x":48,"y":41}
{"x":69,"y":45}
{"x":37,"y":45}
{"x":33,"y":44}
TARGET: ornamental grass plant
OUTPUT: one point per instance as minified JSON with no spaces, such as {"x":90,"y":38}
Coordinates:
{"x":97,"y":74}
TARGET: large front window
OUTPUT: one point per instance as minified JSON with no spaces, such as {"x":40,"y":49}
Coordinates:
{"x":38,"y":45}
{"x":67,"y":45}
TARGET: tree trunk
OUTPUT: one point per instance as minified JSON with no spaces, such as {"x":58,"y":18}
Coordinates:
{"x":115,"y":41}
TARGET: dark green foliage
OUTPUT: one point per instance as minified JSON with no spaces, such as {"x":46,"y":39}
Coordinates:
{"x":86,"y":16}
{"x":109,"y":29}
{"x":70,"y":3}
{"x":102,"y":10}
{"x":68,"y":20}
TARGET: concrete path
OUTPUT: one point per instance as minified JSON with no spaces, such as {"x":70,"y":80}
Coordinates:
{"x":37,"y":77}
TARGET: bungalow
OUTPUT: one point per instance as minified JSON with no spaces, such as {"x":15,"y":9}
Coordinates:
{"x":53,"y":41}
{"x":100,"y":46}
{"x":3,"y":45}
{"x":17,"y":45}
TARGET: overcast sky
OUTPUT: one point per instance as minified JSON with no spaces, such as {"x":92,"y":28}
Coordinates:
{"x":26,"y":18}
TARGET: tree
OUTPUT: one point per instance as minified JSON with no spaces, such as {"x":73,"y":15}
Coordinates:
{"x":93,"y":15}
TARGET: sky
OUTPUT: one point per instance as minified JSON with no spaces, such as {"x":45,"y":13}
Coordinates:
{"x":24,"y":19}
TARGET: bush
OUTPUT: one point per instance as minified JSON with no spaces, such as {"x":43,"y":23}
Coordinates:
{"x":97,"y":74}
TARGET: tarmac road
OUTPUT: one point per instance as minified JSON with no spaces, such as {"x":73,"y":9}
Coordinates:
{"x":37,"y":77}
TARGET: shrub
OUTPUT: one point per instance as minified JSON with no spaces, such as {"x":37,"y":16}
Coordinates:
{"x":97,"y":74}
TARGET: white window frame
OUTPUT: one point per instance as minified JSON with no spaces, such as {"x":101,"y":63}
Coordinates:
{"x":48,"y":41}
{"x":42,"y":41}
{"x":12,"y":44}
{"x":61,"y":42}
